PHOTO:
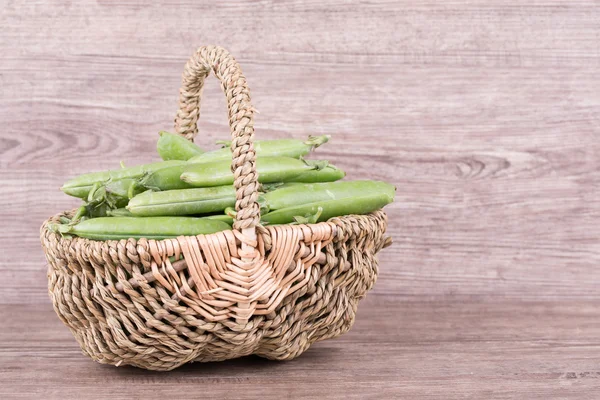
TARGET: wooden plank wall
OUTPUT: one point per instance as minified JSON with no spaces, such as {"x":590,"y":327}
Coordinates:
{"x":485,"y":114}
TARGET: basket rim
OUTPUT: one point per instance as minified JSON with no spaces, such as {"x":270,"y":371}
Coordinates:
{"x":262,"y":228}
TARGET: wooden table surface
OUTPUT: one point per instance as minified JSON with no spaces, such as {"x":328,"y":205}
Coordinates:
{"x":485,"y":114}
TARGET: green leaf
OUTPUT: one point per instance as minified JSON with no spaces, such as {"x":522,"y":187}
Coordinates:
{"x":92,"y":191}
{"x":59,"y":228}
{"x":263,"y":204}
{"x":316,"y":164}
{"x":316,"y":141}
{"x":309,"y":218}
{"x":81,"y":212}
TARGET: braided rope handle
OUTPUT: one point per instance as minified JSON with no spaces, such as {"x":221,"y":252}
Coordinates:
{"x":241,"y":122}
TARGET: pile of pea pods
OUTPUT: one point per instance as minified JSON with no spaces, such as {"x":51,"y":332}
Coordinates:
{"x":191,"y":192}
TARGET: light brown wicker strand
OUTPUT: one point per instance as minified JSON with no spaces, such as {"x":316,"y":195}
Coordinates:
{"x":233,"y":83}
{"x":241,"y":122}
{"x":173,"y":268}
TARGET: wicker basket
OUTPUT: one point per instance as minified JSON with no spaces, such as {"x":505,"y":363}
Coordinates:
{"x":269,"y":291}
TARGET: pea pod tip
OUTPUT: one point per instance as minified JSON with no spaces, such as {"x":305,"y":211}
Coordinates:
{"x":185,"y":177}
{"x":316,"y":141}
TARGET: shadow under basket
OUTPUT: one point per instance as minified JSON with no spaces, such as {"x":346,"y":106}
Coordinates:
{"x":270,"y":291}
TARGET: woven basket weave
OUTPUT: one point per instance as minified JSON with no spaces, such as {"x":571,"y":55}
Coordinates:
{"x":269,"y":291}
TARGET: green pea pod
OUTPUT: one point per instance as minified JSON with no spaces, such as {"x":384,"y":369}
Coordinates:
{"x":81,"y":185}
{"x":175,"y":147}
{"x":330,"y":173}
{"x":166,"y":178}
{"x":117,"y":228}
{"x":120,"y":188}
{"x":119,"y":212}
{"x":294,"y":194}
{"x":218,"y":173}
{"x":268,"y":148}
{"x":183,"y":202}
{"x":324,"y":210}
{"x":222,"y":217}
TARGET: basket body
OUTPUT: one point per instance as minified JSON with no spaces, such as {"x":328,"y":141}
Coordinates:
{"x":153,"y":325}
{"x":158,"y":304}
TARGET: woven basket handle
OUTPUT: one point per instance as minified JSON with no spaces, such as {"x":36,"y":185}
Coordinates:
{"x":241,"y":122}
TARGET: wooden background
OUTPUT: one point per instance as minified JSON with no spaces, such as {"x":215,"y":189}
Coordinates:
{"x":485,"y":114}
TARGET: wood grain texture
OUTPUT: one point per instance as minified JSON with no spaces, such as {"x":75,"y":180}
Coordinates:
{"x":422,"y":350}
{"x":485,"y":114}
